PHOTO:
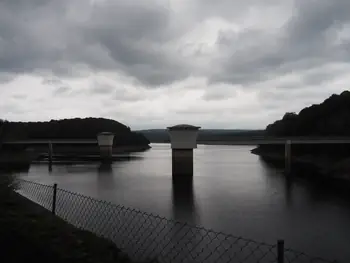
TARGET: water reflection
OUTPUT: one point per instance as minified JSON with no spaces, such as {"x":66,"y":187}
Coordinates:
{"x":184,"y":208}
{"x":232,"y":191}
{"x":127,"y":157}
{"x":105,"y":168}
{"x":289,"y":191}
{"x":15,"y":170}
{"x":105,"y":176}
{"x":277,"y":178}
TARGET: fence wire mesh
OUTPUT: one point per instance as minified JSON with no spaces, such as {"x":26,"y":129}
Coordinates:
{"x":150,"y":238}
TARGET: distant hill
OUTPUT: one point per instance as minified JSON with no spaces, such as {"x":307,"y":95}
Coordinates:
{"x":329,"y":118}
{"x":76,"y":128}
{"x":161,"y":135}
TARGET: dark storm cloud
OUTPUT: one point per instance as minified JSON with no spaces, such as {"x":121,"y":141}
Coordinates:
{"x":24,"y":36}
{"x":70,"y":37}
{"x":66,"y":37}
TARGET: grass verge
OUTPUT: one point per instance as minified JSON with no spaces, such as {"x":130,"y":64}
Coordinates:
{"x":30,"y":233}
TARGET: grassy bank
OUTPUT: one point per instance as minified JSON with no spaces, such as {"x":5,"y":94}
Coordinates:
{"x":30,"y":233}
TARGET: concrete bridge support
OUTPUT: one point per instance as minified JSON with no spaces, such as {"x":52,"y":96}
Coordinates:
{"x":105,"y":142}
{"x":183,"y":140}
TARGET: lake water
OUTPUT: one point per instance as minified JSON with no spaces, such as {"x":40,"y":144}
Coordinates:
{"x":233,"y":191}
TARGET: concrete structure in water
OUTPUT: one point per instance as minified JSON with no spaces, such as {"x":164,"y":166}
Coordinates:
{"x":183,"y":140}
{"x":105,"y":142}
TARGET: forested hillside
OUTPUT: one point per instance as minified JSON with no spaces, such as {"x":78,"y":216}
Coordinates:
{"x":330,"y":118}
{"x":77,"y":128}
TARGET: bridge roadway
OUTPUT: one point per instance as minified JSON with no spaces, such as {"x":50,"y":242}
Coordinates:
{"x":38,"y":142}
{"x":238,"y":141}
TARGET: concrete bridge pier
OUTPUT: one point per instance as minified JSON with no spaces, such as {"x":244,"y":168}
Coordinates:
{"x":183,"y":140}
{"x":288,"y":157}
{"x":105,"y":143}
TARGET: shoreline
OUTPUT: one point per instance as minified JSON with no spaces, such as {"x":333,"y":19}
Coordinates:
{"x":316,"y":168}
{"x":10,"y":160}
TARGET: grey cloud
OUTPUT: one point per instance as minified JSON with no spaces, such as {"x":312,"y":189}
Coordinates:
{"x":52,"y":82}
{"x":306,"y":41}
{"x":218,"y":94}
{"x":5,"y":77}
{"x":117,"y":93}
{"x":20,"y":96}
{"x":101,"y":89}
{"x":133,"y":37}
{"x":126,"y":36}
{"x":229,"y":9}
{"x":24,"y":45}
{"x":289,"y":86}
{"x":62,"y":90}
{"x":318,"y":78}
{"x":137,"y":41}
{"x":11,"y":108}
{"x":294,"y":99}
{"x":314,"y":19}
{"x":126,"y":96}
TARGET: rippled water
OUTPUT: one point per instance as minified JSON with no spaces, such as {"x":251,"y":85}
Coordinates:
{"x":233,"y":191}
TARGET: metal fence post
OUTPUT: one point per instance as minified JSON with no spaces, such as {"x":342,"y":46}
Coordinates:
{"x":54,"y":199}
{"x":280,"y":251}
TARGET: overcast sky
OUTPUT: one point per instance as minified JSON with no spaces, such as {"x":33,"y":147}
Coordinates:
{"x":153,"y":63}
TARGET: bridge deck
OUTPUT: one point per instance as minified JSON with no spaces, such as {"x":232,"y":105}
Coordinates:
{"x":293,"y":141}
{"x":245,"y":141}
{"x":53,"y":142}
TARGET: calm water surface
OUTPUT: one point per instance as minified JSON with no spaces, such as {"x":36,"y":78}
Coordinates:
{"x":233,"y":191}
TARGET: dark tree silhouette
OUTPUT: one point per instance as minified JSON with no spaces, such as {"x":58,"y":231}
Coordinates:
{"x":329,"y":118}
{"x":77,"y":128}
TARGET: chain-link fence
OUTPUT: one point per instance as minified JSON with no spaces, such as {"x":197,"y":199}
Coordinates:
{"x":147,"y":237}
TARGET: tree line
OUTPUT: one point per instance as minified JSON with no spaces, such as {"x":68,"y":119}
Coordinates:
{"x":329,"y":118}
{"x":76,"y":128}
